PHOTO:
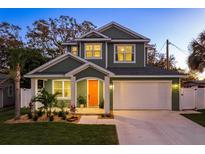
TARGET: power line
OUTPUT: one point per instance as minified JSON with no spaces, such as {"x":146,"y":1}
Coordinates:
{"x":162,"y":46}
{"x":183,"y":51}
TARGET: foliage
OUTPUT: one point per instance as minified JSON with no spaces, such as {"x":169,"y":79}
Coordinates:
{"x":34,"y":59}
{"x":16,"y":61}
{"x":196,"y":59}
{"x":48,"y":35}
{"x":61,"y":104}
{"x":47,"y":100}
{"x":9,"y":38}
{"x":101,"y":105}
{"x":35,"y":117}
{"x":159,"y":59}
{"x":51,"y":118}
{"x":30,"y":116}
{"x":40,"y":112}
{"x":81,"y":100}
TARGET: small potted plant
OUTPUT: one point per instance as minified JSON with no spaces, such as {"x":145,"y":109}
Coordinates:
{"x":81,"y":101}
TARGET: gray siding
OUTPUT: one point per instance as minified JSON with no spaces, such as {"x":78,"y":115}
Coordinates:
{"x":90,"y":72}
{"x":8,"y":100}
{"x":116,"y":33}
{"x":63,"y":67}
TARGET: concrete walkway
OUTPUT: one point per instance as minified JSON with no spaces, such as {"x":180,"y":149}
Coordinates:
{"x":152,"y":127}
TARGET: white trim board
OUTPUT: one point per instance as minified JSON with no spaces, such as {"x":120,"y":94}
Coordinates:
{"x":85,"y":66}
{"x":124,"y":62}
{"x":92,"y":44}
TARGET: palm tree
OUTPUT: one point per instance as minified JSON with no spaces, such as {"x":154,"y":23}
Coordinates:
{"x":16,"y":61}
{"x":196,"y":59}
{"x":48,"y":100}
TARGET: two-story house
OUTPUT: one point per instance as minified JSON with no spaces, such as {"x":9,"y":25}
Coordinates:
{"x":108,"y":66}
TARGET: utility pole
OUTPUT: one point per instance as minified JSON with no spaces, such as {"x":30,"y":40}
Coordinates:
{"x":167,"y":51}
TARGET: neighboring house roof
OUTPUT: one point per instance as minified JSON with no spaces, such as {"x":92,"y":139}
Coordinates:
{"x":199,"y":83}
{"x":3,"y":78}
{"x":145,"y":71}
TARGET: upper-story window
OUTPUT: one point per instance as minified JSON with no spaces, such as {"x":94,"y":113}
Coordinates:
{"x":124,"y":53}
{"x":93,"y":50}
{"x":74,"y":50}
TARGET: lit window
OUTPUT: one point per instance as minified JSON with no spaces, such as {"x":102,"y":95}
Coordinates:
{"x":74,"y":50}
{"x":63,"y":88}
{"x":124,"y":53}
{"x":93,"y":51}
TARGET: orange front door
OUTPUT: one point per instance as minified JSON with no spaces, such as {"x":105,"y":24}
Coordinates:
{"x":93,"y":93}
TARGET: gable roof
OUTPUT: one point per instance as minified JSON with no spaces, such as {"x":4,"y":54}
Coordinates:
{"x":93,"y":32}
{"x":38,"y":71}
{"x":125,"y":29}
{"x":3,"y":78}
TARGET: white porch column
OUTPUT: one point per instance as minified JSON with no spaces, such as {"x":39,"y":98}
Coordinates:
{"x":34,"y":90}
{"x":73,"y":98}
{"x":107,"y":95}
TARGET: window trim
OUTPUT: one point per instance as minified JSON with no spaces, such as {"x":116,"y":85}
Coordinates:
{"x":74,"y":47}
{"x":43,"y":84}
{"x":92,"y":50}
{"x":12,"y":93}
{"x":62,"y":80}
{"x":124,"y":62}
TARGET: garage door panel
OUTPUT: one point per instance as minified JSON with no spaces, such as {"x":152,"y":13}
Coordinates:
{"x":142,"y":95}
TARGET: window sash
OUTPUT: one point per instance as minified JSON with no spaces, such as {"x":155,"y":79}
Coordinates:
{"x":124,"y":53}
{"x":93,"y":51}
{"x":74,"y":50}
{"x":64,"y":88}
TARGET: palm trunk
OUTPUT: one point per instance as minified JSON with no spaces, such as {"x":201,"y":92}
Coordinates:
{"x":17,"y":91}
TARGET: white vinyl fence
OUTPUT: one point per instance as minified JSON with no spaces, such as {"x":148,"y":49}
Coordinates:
{"x":192,"y":98}
{"x":25,"y":97}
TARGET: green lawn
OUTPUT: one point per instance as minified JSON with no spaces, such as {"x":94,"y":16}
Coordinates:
{"x":54,"y":133}
{"x":197,"y":117}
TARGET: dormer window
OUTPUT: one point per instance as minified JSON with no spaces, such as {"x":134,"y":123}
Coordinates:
{"x":124,"y":53}
{"x":74,"y":50}
{"x":93,"y":51}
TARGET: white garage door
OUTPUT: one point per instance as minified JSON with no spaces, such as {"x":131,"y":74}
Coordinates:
{"x":142,"y":95}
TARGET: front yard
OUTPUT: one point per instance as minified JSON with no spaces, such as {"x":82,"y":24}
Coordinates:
{"x":54,"y":132}
{"x":197,"y":117}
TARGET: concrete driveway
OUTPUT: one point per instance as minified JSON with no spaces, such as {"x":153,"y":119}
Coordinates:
{"x":157,"y":127}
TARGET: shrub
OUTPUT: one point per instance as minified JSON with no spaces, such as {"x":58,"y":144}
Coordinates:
{"x":51,"y":118}
{"x":60,"y":113}
{"x":81,"y":100}
{"x":40,"y":112}
{"x":35,"y":117}
{"x":55,"y":113}
{"x":30,"y":116}
{"x":64,"y":116}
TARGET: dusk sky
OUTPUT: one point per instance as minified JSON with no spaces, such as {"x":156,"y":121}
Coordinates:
{"x":180,"y":26}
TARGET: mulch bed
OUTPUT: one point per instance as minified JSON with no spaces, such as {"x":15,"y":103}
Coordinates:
{"x":25,"y":119}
